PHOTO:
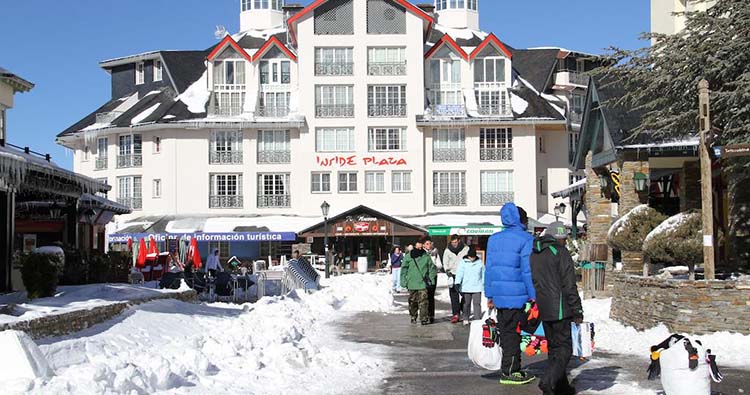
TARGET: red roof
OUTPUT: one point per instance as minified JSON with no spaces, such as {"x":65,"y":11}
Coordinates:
{"x":271,"y":42}
{"x":494,"y":40}
{"x":446,"y":39}
{"x":228,"y":40}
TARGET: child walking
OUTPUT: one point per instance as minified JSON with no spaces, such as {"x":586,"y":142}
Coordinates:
{"x":470,"y":279}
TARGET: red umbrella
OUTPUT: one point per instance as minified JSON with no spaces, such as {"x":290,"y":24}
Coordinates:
{"x":130,"y":244}
{"x":153,"y":250}
{"x":194,"y":254}
{"x":141,"y":261}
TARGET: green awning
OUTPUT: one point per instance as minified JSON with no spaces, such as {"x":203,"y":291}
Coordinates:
{"x":486,"y":230}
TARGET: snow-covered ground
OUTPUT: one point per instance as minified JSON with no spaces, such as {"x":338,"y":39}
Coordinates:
{"x":277,"y":345}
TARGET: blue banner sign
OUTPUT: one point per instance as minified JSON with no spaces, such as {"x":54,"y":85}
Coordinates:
{"x":252,"y":237}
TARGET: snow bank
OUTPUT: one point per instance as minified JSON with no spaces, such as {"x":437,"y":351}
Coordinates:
{"x":196,"y":95}
{"x":730,"y":348}
{"x":279,"y":345}
{"x":519,"y":105}
{"x":21,"y":359}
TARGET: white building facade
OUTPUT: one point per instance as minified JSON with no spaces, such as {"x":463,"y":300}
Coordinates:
{"x":409,"y":110}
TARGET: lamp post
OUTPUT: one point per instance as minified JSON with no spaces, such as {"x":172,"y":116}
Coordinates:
{"x":559,"y":210}
{"x":324,"y":208}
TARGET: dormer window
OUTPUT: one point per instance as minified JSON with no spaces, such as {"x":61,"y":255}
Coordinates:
{"x":158,"y":73}
{"x":229,"y":87}
{"x":275,"y":72}
{"x":248,"y":5}
{"x":456,"y":5}
{"x":140,"y":73}
{"x":489,"y":70}
{"x":229,"y":72}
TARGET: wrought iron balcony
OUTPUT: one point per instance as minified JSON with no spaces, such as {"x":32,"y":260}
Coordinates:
{"x":496,"y":154}
{"x":386,"y":110}
{"x":495,"y":110}
{"x":496,"y":198}
{"x":334,"y":68}
{"x":266,"y":201}
{"x":334,"y":111}
{"x":107,"y":117}
{"x":225,"y":111}
{"x":448,"y":154}
{"x":274,"y":156}
{"x":132,"y":202}
{"x":225,"y":201}
{"x":125,"y":161}
{"x":387,"y":69}
{"x":225,"y":157}
{"x":101,"y":163}
{"x":447,"y":110}
{"x":449,"y":199}
{"x":272,"y":111}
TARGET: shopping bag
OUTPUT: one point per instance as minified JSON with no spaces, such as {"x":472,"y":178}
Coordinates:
{"x":489,"y":358}
{"x":534,"y":343}
{"x":583,"y":339}
{"x":684,"y":365}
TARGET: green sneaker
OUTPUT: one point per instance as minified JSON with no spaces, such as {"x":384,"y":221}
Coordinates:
{"x":517,"y":378}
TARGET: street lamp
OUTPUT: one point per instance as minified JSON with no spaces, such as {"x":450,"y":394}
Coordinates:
{"x":324,"y":208}
{"x":641,"y":182}
{"x":559,"y":210}
{"x":604,"y":181}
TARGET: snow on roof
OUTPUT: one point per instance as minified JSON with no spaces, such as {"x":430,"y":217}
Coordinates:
{"x":119,"y":60}
{"x":264,"y":34}
{"x":580,"y":184}
{"x":465,"y":34}
{"x":196,"y":96}
{"x":145,"y":114}
{"x":519,"y":105}
{"x":689,"y":142}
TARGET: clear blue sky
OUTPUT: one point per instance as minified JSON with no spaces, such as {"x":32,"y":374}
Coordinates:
{"x":58,"y":44}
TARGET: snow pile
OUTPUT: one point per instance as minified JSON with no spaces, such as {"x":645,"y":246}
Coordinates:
{"x":21,"y":359}
{"x":196,"y":95}
{"x":519,"y":105}
{"x":730,"y":348}
{"x":279,"y":345}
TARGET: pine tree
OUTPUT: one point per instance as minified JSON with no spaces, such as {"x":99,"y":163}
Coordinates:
{"x":661,"y":81}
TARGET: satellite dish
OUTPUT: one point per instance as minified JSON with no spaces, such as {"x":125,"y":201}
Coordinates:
{"x":220,"y":32}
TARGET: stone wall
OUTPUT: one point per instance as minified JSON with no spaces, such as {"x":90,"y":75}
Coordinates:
{"x":683,"y":306}
{"x":67,"y":323}
{"x":598,"y":207}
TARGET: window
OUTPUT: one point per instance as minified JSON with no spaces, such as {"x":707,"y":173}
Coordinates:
{"x":446,"y":93}
{"x":274,"y":146}
{"x":247,"y":5}
{"x":572,"y":146}
{"x":471,"y":4}
{"x":333,"y":61}
{"x":489,"y":70}
{"x":492,"y":101}
{"x":334,"y":101}
{"x":386,"y":101}
{"x":225,"y":147}
{"x":158,"y":70}
{"x":449,"y":188}
{"x":320,"y":182}
{"x":129,"y":192}
{"x":157,"y":144}
{"x":156,"y":188}
{"x":275,"y":72}
{"x":574,"y":178}
{"x":86,"y":153}
{"x":542,"y":186}
{"x":229,"y":72}
{"x":102,"y":146}
{"x":224,"y":247}
{"x":448,"y":145}
{"x":348,"y":181}
{"x":374,"y":182}
{"x":497,"y":187}
{"x":139,"y":73}
{"x":445,"y":71}
{"x":496,"y":144}
{"x":441,"y":4}
{"x":225,"y":191}
{"x":542,"y":148}
{"x":577,"y":103}
{"x":387,"y":139}
{"x":229,"y":87}
{"x":334,"y":140}
{"x":274,"y":104}
{"x":130,"y":150}
{"x":273,"y":190}
{"x":386,"y":61}
{"x":401,"y":181}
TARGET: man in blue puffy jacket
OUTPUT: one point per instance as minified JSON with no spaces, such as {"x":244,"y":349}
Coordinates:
{"x":508,"y":286}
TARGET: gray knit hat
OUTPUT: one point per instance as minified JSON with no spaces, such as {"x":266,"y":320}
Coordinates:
{"x":557,"y":230}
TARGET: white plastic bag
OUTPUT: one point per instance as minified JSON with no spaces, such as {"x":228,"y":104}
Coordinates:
{"x":481,"y":356}
{"x":676,"y":376}
{"x":583,"y":346}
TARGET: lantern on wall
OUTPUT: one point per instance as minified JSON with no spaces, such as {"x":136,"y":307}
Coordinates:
{"x":641,"y":182}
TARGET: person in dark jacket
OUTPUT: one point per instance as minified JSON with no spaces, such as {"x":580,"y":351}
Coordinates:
{"x":395,"y":263}
{"x":508,"y":286}
{"x":452,"y":258}
{"x":430,"y":249}
{"x":558,"y":302}
{"x":417,"y":272}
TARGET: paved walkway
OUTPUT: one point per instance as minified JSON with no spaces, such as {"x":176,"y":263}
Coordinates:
{"x":432,"y":360}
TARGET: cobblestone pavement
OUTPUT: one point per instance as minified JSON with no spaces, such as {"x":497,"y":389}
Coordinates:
{"x":432,"y":360}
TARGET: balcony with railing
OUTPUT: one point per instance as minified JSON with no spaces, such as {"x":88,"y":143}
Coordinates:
{"x":107,"y":117}
{"x":225,"y":157}
{"x":386,"y":110}
{"x":496,"y":154}
{"x":225,"y":201}
{"x":334,"y":110}
{"x":447,"y":100}
{"x":132,"y":160}
{"x":135,"y":203}
{"x":275,"y":156}
{"x":334,"y":68}
{"x":216,"y":110}
{"x":227,"y":100}
{"x":270,"y":201}
{"x":492,"y":99}
{"x":449,"y":154}
{"x":272,"y":111}
{"x":386,"y":68}
{"x":101,"y":163}
{"x":496,"y":198}
{"x":571,"y":77}
{"x":450,"y":199}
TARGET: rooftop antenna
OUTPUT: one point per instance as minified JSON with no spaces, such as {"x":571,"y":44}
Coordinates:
{"x":220,"y":32}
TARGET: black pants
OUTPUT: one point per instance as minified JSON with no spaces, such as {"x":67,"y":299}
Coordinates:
{"x":510,"y":339}
{"x":431,"y":301}
{"x":457,"y":301}
{"x":555,"y":380}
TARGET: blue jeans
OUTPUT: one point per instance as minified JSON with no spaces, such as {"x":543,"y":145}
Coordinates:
{"x":396,"y":279}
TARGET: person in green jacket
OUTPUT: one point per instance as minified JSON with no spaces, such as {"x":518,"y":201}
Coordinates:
{"x":417,"y":275}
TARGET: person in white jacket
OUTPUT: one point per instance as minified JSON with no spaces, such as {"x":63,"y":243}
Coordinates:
{"x":452,"y":257}
{"x":470,"y":278}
